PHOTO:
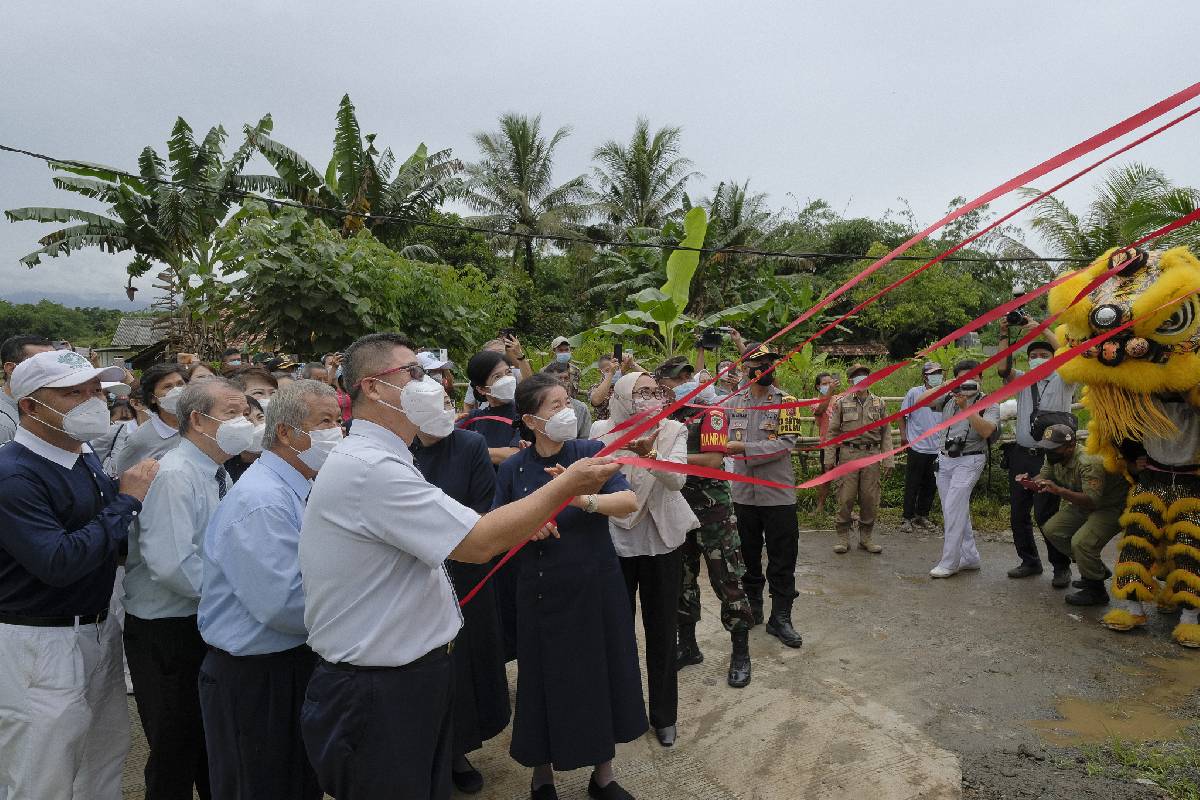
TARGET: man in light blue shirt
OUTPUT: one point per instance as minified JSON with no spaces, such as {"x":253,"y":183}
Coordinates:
{"x":920,"y":469}
{"x":162,"y":584}
{"x":252,"y":606}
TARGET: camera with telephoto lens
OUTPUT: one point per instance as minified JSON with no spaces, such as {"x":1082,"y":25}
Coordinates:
{"x":710,"y":339}
{"x":1017,"y":317}
{"x":955,"y":445}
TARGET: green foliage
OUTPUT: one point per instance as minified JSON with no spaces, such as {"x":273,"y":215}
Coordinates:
{"x":512,"y":185}
{"x":310,"y":290}
{"x":640,"y":184}
{"x":86,"y":327}
{"x":361,"y":185}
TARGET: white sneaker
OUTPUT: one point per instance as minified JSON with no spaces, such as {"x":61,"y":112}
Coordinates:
{"x":924,"y":524}
{"x":941,"y":572}
{"x":906,"y":526}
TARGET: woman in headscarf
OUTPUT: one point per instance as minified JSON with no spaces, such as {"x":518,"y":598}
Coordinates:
{"x":648,"y":539}
{"x":579,"y":692}
{"x":457,"y":462}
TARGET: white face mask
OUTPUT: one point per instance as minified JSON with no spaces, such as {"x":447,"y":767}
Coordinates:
{"x":424,"y":403}
{"x":256,"y":444}
{"x":857,"y":379}
{"x":823,"y":388}
{"x":321,"y":444}
{"x":263,"y":402}
{"x":934,"y":379}
{"x":169,"y":402}
{"x":1034,"y":363}
{"x":234,"y":436}
{"x":85,"y":421}
{"x":562,"y":426}
{"x":504,"y":389}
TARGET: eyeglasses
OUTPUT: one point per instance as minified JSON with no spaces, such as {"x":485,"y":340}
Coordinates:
{"x":415,"y":372}
{"x":647,"y":393}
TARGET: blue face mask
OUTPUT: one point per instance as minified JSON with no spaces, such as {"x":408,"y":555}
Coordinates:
{"x":706,"y":397}
{"x":563,"y":358}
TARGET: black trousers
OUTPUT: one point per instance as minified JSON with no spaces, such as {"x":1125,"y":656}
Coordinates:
{"x":164,"y":658}
{"x":659,"y":579}
{"x":777,"y":528}
{"x":1042,"y":504}
{"x":251,"y":707}
{"x":920,"y":483}
{"x":381,"y":734}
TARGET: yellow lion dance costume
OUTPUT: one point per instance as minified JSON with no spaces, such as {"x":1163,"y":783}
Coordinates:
{"x":1142,"y":388}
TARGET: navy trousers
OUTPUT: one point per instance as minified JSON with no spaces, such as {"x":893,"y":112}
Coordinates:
{"x":251,"y":708}
{"x":382,"y":733}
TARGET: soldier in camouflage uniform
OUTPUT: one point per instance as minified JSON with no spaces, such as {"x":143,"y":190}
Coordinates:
{"x":716,"y":540}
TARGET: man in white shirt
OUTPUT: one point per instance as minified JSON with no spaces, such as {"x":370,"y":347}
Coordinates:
{"x":379,"y":607}
{"x":163,"y":581}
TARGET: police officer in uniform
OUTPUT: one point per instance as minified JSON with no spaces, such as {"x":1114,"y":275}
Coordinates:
{"x":761,"y":443}
{"x":860,"y":408}
{"x":716,"y":540}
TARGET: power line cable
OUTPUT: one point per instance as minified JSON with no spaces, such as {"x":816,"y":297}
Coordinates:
{"x":557,"y":238}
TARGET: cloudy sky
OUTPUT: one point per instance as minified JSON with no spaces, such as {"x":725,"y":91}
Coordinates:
{"x":859,"y":103}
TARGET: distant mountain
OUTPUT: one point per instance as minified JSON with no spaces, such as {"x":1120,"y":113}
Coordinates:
{"x":73,"y":300}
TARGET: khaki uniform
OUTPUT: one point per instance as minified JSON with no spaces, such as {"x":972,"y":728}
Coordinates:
{"x":848,"y":413}
{"x":1079,"y":532}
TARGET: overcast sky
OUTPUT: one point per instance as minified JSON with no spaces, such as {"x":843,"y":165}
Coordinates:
{"x":856,"y":103}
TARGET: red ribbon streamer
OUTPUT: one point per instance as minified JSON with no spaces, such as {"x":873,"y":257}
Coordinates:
{"x":1067,"y":156}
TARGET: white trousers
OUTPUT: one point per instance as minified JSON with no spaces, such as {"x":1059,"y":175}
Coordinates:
{"x":956,"y":477}
{"x":64,"y":722}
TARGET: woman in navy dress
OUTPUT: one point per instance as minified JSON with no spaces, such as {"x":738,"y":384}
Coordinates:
{"x":492,"y":381}
{"x":457,"y":462}
{"x":579,"y":689}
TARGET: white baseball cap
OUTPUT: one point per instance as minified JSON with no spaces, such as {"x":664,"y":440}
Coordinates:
{"x":57,"y":369}
{"x":116,"y":388}
{"x":430,"y":361}
{"x":558,"y":341}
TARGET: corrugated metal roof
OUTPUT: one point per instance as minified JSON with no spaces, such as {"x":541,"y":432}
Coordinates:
{"x":137,"y":332}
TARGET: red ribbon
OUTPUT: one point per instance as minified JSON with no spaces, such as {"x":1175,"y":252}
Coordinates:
{"x":1067,"y":156}
{"x":473,"y":420}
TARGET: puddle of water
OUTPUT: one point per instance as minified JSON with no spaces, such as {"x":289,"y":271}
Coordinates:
{"x":1144,"y":717}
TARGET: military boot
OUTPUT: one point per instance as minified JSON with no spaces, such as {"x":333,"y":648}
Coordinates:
{"x":687,"y":652}
{"x":756,"y":606}
{"x":780,"y":623}
{"x":739,"y":662}
{"x":843,"y":544}
{"x":1092,"y":594}
{"x":864,"y":539}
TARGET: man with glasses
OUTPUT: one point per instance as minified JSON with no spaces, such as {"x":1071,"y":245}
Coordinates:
{"x":379,"y":607}
{"x":163,"y":575}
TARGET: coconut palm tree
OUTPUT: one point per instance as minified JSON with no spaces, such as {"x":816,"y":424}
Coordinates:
{"x":1130,"y":202}
{"x":362,"y":187}
{"x":640,"y":184}
{"x":512,"y":188}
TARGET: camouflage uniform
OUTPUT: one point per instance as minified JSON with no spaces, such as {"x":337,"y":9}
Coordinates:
{"x":716,"y":540}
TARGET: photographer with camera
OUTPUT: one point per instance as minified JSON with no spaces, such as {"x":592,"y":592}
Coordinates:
{"x":1091,"y":515}
{"x":1044,"y":403}
{"x":959,"y":466}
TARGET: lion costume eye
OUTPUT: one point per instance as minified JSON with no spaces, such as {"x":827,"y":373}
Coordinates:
{"x":1180,"y":321}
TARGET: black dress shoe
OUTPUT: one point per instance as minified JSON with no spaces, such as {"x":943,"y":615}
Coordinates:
{"x":781,"y":628}
{"x":611,"y":792}
{"x":544,"y":792}
{"x":739,"y":671}
{"x":666,"y":736}
{"x":1093,"y":593}
{"x":469,"y":781}
{"x":1025,"y":571}
{"x":1062,"y":578}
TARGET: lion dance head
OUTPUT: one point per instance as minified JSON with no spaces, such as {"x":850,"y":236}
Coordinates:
{"x":1158,"y":355}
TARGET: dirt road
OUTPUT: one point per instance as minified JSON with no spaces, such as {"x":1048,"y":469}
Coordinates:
{"x":905,"y":688}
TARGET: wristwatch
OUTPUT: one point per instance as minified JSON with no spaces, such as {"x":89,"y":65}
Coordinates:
{"x":591,"y":505}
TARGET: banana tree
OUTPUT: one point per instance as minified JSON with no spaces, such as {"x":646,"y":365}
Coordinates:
{"x":659,"y":313}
